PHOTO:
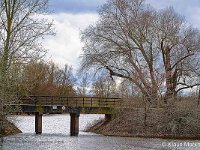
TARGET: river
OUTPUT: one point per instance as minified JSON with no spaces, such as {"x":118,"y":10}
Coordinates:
{"x":55,"y":136}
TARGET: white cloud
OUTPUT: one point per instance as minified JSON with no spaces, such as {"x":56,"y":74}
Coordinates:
{"x":66,"y":46}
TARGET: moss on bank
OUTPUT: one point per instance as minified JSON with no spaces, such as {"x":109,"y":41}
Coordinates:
{"x":10,"y":129}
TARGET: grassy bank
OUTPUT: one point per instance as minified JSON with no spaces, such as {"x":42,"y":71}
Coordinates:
{"x":10,"y":129}
{"x":181,"y":121}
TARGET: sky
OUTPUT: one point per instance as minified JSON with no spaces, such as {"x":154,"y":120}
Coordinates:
{"x":73,"y":16}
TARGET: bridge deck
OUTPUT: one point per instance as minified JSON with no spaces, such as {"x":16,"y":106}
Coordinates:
{"x":97,"y":105}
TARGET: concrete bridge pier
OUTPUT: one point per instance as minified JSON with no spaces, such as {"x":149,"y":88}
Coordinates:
{"x":74,"y":124}
{"x":38,"y":122}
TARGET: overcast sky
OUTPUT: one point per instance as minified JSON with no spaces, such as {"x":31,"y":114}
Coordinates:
{"x":72,"y":16}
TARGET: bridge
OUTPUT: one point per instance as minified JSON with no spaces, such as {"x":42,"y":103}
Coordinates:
{"x":75,"y":106}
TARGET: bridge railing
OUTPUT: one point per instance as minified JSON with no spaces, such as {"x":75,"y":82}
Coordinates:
{"x":69,"y":101}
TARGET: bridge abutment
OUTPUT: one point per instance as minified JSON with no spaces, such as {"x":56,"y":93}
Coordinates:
{"x":108,"y":117}
{"x":38,"y":122}
{"x":74,"y":124}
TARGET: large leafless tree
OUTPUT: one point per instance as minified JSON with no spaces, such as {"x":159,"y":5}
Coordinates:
{"x":155,"y":50}
{"x":21,"y":28}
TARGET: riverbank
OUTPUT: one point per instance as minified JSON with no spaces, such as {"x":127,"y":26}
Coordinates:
{"x":10,"y":129}
{"x":154,"y":123}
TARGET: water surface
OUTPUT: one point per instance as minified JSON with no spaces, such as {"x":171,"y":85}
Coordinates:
{"x":55,"y":136}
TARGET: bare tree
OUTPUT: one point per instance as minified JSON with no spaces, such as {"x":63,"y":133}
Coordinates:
{"x":83,"y":85}
{"x":45,"y":78}
{"x":22,"y":26}
{"x":179,"y":47}
{"x":154,"y":50}
{"x":128,"y":90}
{"x":65,"y":80}
{"x":104,"y":87}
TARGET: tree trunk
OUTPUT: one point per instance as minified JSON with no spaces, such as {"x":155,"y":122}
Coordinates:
{"x":4,"y":66}
{"x":169,"y":78}
{"x":154,"y":87}
{"x":1,"y":118}
{"x":199,"y":96}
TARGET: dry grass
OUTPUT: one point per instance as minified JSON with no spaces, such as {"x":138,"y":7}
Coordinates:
{"x":180,"y":102}
{"x":182,"y":120}
{"x":190,"y":102}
